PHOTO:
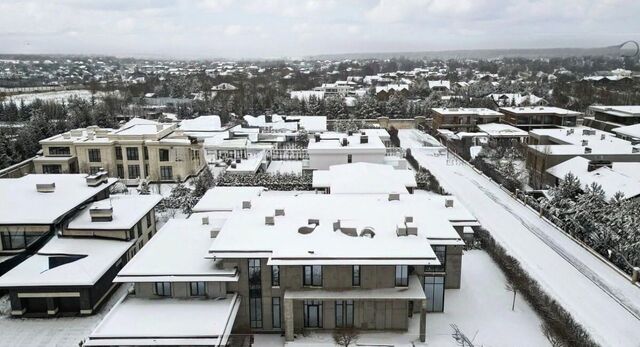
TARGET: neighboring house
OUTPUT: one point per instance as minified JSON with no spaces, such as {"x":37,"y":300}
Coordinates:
{"x":463,"y":119}
{"x":138,"y":151}
{"x":517,"y":99}
{"x":384,"y":92}
{"x":34,"y":207}
{"x":503,"y":133}
{"x":608,"y":117}
{"x":73,"y":272}
{"x":532,"y":117}
{"x":603,"y":173}
{"x":439,"y":86}
{"x":629,"y":132}
{"x":324,"y":261}
{"x":550,"y":147}
{"x":201,"y":127}
{"x":364,"y":178}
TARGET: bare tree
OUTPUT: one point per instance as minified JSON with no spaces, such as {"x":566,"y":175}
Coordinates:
{"x":461,"y":339}
{"x":345,"y":336}
{"x":509,"y":286}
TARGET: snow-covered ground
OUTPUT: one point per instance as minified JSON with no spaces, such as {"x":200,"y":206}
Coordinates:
{"x":58,"y":96}
{"x":285,"y":166}
{"x":62,"y":332}
{"x":416,"y":138}
{"x":481,"y":309}
{"x":597,"y":296}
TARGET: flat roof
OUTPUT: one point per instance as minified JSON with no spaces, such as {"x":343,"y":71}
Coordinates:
{"x":540,"y":110}
{"x":333,"y":141}
{"x":23,"y":204}
{"x":202,"y":123}
{"x":569,"y":140}
{"x":629,"y":130}
{"x":177,"y":254}
{"x":364,"y":178}
{"x":94,"y":258}
{"x":143,"y":129}
{"x":618,"y":111}
{"x":501,"y":130}
{"x":167,"y":321}
{"x":293,"y":239}
{"x":478,"y":111}
{"x":127,"y":211}
{"x":226,"y":198}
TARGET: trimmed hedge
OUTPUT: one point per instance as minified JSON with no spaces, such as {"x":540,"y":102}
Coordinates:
{"x":556,"y":319}
{"x":270,"y":181}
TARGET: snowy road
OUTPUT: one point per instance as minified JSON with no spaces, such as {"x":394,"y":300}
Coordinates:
{"x":605,"y":303}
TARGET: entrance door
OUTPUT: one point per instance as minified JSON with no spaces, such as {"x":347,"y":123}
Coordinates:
{"x":313,"y":314}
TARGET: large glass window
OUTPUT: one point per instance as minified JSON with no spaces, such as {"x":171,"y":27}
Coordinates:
{"x":52,"y":169}
{"x":166,"y":173}
{"x":132,"y":153}
{"x":197,"y":289}
{"x":18,"y":240}
{"x":355,"y":275}
{"x":59,"y":151}
{"x":164,"y":154}
{"x":402,"y":275}
{"x":434,"y":291}
{"x":276,"y":313}
{"x":145,"y":152}
{"x":275,"y":276}
{"x":162,"y":288}
{"x":94,"y":155}
{"x":118,"y":153}
{"x":134,"y":171}
{"x":255,"y":293}
{"x":120,"y":170}
{"x":441,"y":254}
{"x":312,"y":275}
{"x":94,"y":169}
{"x":312,"y":313}
{"x":344,"y":313}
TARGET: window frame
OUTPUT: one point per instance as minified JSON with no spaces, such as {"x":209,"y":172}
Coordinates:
{"x":356,"y":280}
{"x":200,"y":288}
{"x":276,"y":317}
{"x":118,"y":150}
{"x":94,"y":155}
{"x":312,"y":276}
{"x":161,"y":157}
{"x":435,"y":288}
{"x":344,"y":313}
{"x":160,"y":288}
{"x":163,"y":170}
{"x":275,"y":275}
{"x":132,"y":153}
{"x":402,"y":276}
{"x":129,"y":171}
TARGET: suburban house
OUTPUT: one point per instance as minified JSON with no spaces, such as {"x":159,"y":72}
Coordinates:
{"x":39,"y":206}
{"x":463,"y":119}
{"x":503,"y":133}
{"x":384,"y":92}
{"x":550,"y":147}
{"x":439,"y":86}
{"x":609,"y":117}
{"x":532,"y":117}
{"x":628,"y":132}
{"x":130,"y":153}
{"x":323,"y":261}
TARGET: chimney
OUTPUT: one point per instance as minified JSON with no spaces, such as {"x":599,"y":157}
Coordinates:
{"x":587,"y":150}
{"x":46,"y":187}
{"x":205,"y":220}
{"x":279,"y":211}
{"x":96,"y":179}
{"x":408,"y":219}
{"x":336,"y":225}
{"x":401,"y":230}
{"x":269,"y":220}
{"x":394,"y":197}
{"x":101,"y":214}
{"x":246,"y":205}
{"x":585,"y":142}
{"x":345,"y":142}
{"x":448,"y":203}
{"x":268,"y":119}
{"x":317,"y":137}
{"x":411,"y":229}
{"x":364,"y":139}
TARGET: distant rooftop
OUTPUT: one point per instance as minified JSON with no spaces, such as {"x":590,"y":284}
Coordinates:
{"x":479,"y":111}
{"x":335,"y":141}
{"x":498,"y":130}
{"x":574,"y":140}
{"x":226,"y":198}
{"x":202,"y":123}
{"x":540,"y":110}
{"x":619,"y":111}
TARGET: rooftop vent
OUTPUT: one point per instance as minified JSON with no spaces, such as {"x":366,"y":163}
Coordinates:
{"x":401,"y":230}
{"x":233,"y":165}
{"x":345,"y":142}
{"x":585,"y":143}
{"x":635,"y":150}
{"x":238,"y":160}
{"x":97,"y":178}
{"x":394,"y":197}
{"x":269,"y":220}
{"x":307,"y":229}
{"x":587,"y":150}
{"x":101,"y":214}
{"x":246,"y":205}
{"x":367,"y":232}
{"x":603,"y":136}
{"x":317,"y":137}
{"x":448,"y":203}
{"x":313,"y":221}
{"x":46,"y":187}
{"x":205,"y":220}
{"x":408,"y":219}
{"x":364,"y":139}
{"x":596,"y":164}
{"x":350,"y":231}
{"x":279,"y":211}
{"x":411,"y":228}
{"x":336,"y":225}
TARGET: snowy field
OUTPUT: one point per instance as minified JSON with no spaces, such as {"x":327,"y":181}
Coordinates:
{"x":58,"y":96}
{"x":285,"y":166}
{"x":481,"y":308}
{"x":56,"y":332}
{"x":598,"y":297}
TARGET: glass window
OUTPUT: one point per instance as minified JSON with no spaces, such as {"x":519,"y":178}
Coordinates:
{"x":148,"y":219}
{"x":355,"y":275}
{"x":312,"y":275}
{"x":164,"y":154}
{"x":18,"y":240}
{"x":162,"y":288}
{"x":52,"y":169}
{"x":145,"y":152}
{"x":132,"y":153}
{"x":275,"y":276}
{"x":312,"y":313}
{"x":344,"y":313}
{"x":434,"y":291}
{"x":276,"y":312}
{"x":120,"y":170}
{"x":118,"y":153}
{"x":255,"y":293}
{"x":197,"y":289}
{"x":134,"y":171}
{"x":166,"y":173}
{"x":402,"y":275}
{"x":441,"y":254}
{"x":349,"y":158}
{"x":94,"y":155}
{"x":59,"y":151}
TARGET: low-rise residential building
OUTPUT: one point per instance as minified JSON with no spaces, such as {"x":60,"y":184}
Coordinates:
{"x":364,"y":178}
{"x":629,"y":132}
{"x":138,"y":151}
{"x":34,"y":207}
{"x":463,"y":119}
{"x":609,"y":117}
{"x":532,"y":117}
{"x":439,"y":86}
{"x":550,"y":147}
{"x":73,"y":272}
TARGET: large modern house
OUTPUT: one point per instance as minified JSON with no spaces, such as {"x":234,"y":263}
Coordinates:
{"x":34,"y":207}
{"x":463,"y":119}
{"x":73,"y":272}
{"x":609,"y":117}
{"x":531,"y":117}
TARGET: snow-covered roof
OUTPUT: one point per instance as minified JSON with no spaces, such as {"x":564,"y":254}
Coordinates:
{"x":167,"y":321}
{"x":293,"y":238}
{"x":23,"y":204}
{"x":476,"y":111}
{"x":501,"y":130}
{"x":127,"y":211}
{"x":392,"y":87}
{"x":143,"y":129}
{"x":311,"y":123}
{"x":439,"y":84}
{"x":306,"y":94}
{"x":575,"y":140}
{"x":95,"y":257}
{"x":331,"y":141}
{"x":618,"y":111}
{"x":610,"y":180}
{"x":367,"y":178}
{"x":632,"y":131}
{"x":202,"y":123}
{"x":138,"y":121}
{"x":177,"y":254}
{"x":540,"y":110}
{"x":226,"y":198}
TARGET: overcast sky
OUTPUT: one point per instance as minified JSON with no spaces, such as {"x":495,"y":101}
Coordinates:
{"x":293,"y":28}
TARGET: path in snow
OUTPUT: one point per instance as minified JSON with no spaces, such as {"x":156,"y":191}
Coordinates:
{"x":598,"y":297}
